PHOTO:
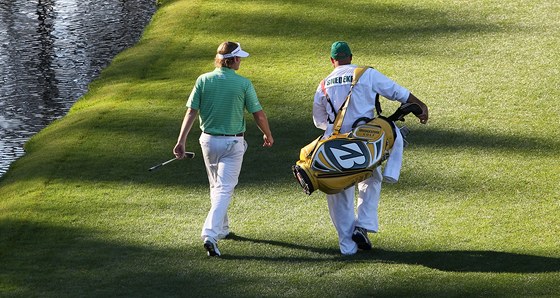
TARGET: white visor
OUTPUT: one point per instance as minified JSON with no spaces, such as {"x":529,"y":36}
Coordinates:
{"x":238,"y":52}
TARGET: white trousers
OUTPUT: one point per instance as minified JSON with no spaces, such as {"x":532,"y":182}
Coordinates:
{"x":223,"y":157}
{"x":344,"y":216}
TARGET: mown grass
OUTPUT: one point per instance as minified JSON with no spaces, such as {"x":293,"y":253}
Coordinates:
{"x":476,"y":212}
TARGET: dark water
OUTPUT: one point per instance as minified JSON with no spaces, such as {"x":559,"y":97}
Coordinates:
{"x":50,"y":50}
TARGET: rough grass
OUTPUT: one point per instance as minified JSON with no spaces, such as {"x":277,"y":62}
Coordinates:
{"x":476,"y":212}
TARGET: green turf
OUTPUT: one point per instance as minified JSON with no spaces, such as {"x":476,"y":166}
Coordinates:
{"x":476,"y":212}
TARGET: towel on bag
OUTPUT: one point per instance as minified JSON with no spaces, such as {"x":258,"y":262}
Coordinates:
{"x":392,"y":169}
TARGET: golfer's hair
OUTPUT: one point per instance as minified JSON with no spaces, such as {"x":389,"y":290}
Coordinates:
{"x":225,"y":48}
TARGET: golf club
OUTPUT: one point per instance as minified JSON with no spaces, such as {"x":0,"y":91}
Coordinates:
{"x":187,"y":155}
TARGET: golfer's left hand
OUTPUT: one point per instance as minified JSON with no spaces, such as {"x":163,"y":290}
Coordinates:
{"x":268,"y":141}
{"x":179,"y":151}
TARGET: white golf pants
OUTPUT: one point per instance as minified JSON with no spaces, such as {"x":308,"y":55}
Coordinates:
{"x":223,"y":157}
{"x":344,"y":217}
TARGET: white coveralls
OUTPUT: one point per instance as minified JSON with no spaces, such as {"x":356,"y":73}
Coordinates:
{"x":362,"y":104}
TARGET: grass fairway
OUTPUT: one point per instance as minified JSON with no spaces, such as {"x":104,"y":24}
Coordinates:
{"x":476,"y":213}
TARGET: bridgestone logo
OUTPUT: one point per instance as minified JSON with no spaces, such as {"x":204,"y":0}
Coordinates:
{"x":348,"y":156}
{"x":341,"y":155}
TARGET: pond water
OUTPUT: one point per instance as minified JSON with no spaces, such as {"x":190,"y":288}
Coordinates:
{"x":50,"y":50}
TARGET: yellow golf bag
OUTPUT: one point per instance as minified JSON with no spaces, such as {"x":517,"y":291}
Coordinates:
{"x":342,"y":160}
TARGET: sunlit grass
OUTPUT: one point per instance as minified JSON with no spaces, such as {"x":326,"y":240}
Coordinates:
{"x":476,"y":212}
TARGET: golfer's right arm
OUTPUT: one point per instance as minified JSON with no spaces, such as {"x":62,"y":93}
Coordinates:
{"x":190,"y":117}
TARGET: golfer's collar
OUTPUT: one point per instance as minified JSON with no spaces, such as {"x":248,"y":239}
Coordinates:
{"x":224,"y":69}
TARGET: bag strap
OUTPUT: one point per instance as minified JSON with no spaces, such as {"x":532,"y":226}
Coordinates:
{"x":378,"y":105}
{"x":324,"y":89}
{"x":358,"y":72}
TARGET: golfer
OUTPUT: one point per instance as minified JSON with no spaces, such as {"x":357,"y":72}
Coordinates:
{"x":219,"y":98}
{"x":353,"y":228}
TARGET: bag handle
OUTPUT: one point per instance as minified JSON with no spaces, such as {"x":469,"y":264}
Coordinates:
{"x":358,"y":72}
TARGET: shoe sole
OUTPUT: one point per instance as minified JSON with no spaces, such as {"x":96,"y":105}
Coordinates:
{"x":362,"y":242}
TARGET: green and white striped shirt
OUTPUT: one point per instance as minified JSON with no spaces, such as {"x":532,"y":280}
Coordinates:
{"x":220,"y":97}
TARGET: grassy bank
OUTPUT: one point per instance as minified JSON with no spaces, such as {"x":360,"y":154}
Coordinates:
{"x":476,"y":212}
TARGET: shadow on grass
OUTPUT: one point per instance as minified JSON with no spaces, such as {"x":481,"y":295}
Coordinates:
{"x":44,"y":260}
{"x":52,"y":261}
{"x":120,"y":162}
{"x":311,"y":20}
{"x":454,"y":261}
{"x":373,"y":28}
{"x":484,"y":141}
{"x":469,"y":261}
{"x":293,"y":246}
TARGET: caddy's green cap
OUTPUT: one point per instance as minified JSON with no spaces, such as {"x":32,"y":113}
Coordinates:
{"x":340,"y":50}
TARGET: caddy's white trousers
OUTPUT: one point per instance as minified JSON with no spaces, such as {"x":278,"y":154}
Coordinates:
{"x":223,"y":157}
{"x":345,"y":218}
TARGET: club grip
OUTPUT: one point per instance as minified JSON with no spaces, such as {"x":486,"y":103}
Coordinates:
{"x":404,"y":110}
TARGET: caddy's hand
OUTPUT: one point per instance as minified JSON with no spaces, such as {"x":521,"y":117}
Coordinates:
{"x":424,"y":116}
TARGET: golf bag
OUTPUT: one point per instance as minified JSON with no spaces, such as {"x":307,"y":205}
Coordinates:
{"x":342,"y":160}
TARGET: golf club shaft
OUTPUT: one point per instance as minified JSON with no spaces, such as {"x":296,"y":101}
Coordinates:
{"x":187,"y":155}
